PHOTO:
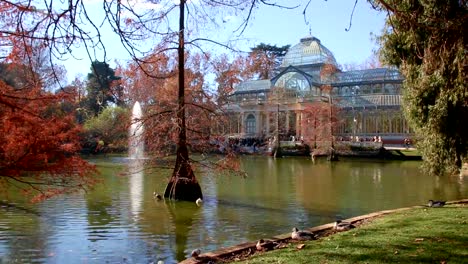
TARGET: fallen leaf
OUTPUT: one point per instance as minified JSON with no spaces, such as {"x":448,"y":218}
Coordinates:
{"x":300,"y":246}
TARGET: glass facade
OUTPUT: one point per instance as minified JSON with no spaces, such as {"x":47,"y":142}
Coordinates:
{"x":362,"y":103}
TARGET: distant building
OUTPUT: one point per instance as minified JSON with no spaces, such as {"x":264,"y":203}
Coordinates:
{"x":368,"y":101}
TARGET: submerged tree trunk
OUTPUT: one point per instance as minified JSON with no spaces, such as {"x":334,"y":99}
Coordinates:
{"x":183,"y":185}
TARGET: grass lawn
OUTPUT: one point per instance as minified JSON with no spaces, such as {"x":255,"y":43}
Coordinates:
{"x":423,"y":235}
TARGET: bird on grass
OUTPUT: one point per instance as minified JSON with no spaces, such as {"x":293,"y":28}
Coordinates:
{"x":342,"y":226}
{"x":433,"y":203}
{"x":301,"y":234}
{"x":265,"y":245}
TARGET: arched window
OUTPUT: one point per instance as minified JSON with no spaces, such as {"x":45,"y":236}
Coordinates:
{"x":294,"y":81}
{"x":250,"y":124}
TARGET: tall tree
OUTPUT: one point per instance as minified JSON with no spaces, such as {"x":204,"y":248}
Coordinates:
{"x":39,"y":144}
{"x":159,"y":97}
{"x":428,"y":41}
{"x":102,"y":88}
{"x":229,"y":73}
{"x":61,"y":26}
{"x":319,"y":119}
{"x":183,"y":184}
{"x":267,"y":58}
{"x":38,"y":140}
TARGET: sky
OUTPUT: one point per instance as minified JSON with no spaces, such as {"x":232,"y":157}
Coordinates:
{"x":327,"y":21}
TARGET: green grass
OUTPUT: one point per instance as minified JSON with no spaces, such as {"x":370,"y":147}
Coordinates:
{"x":429,"y":235}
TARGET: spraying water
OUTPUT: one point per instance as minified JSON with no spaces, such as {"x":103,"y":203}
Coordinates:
{"x":136,"y":143}
{"x":136,"y":150}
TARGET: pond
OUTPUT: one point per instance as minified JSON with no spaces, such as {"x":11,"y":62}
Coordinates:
{"x":120,"y":222}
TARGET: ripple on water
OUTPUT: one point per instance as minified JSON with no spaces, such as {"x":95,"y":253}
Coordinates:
{"x":119,"y":221}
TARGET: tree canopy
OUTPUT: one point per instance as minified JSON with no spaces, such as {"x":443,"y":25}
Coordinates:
{"x":428,"y":41}
{"x":165,"y":26}
{"x":39,"y":144}
{"x":102,"y":88}
{"x":267,"y":58}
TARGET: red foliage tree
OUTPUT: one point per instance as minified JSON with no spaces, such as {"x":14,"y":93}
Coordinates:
{"x":38,"y":144}
{"x":320,"y":118}
{"x":321,"y":115}
{"x":154,"y":83}
{"x":62,"y":26}
{"x":229,"y":73}
{"x":38,"y":137}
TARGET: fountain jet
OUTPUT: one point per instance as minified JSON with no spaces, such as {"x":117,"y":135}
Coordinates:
{"x":136,"y":146}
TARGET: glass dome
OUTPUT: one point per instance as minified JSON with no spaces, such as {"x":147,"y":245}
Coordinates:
{"x":309,"y":51}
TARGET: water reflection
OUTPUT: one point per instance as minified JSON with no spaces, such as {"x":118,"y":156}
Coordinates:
{"x":136,"y":168}
{"x":182,"y":215}
{"x":119,"y":221}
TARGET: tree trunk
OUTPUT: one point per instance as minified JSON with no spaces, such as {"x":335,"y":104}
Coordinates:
{"x":183,"y":185}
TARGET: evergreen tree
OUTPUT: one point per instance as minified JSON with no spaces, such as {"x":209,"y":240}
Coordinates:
{"x":428,"y":41}
{"x":103,"y":88}
{"x":267,"y":58}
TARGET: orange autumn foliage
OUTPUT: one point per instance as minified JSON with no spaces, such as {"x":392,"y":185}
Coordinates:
{"x":154,"y":85}
{"x":230,"y":73}
{"x":158,"y":96}
{"x":39,"y":144}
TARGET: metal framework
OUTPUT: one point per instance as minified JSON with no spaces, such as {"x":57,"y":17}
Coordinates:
{"x":309,"y":73}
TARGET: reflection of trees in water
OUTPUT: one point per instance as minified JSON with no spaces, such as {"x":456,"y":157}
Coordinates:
{"x":449,"y":187}
{"x":378,"y":185}
{"x":268,"y":201}
{"x":24,"y":233}
{"x":377,"y":176}
{"x":462,"y":185}
{"x":182,"y":214}
{"x":358,"y":172}
{"x":102,"y":211}
{"x":276,"y":195}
